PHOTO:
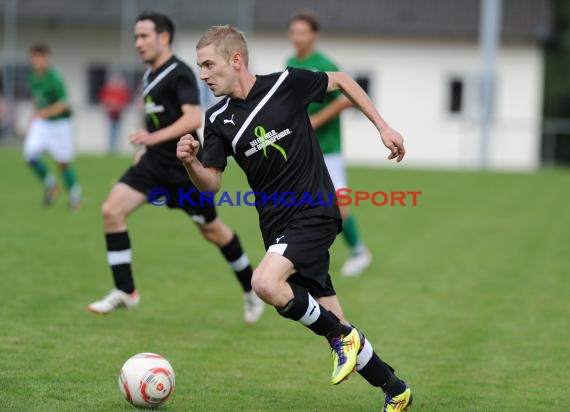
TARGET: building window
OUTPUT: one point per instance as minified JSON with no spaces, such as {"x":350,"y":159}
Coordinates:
{"x":364,"y":81}
{"x":96,"y":77}
{"x":133,"y":76}
{"x":19,"y":73}
{"x":456,"y":89}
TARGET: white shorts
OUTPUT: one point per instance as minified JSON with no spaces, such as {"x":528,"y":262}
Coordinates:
{"x":51,"y":136}
{"x":335,"y":165}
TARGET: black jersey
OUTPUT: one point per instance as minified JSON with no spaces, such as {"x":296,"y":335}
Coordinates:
{"x":270,"y":136}
{"x":164,"y":92}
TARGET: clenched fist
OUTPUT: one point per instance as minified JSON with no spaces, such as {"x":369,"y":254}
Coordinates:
{"x":187,"y":149}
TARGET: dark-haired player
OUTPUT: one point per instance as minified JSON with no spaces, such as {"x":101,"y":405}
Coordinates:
{"x":304,"y":31}
{"x":172,"y":109}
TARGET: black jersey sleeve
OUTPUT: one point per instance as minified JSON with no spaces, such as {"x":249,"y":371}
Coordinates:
{"x":309,"y":86}
{"x":215,"y":152}
{"x":186,"y":88}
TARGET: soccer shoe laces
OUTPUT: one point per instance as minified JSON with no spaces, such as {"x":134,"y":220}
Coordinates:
{"x":394,"y":403}
{"x":114,"y":298}
{"x":337,"y":346}
{"x":344,"y":351}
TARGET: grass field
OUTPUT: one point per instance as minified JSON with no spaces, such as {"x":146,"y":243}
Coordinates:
{"x":468,"y":297}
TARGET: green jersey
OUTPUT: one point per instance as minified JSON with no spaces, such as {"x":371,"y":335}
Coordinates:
{"x":47,"y":90}
{"x":328,"y":134}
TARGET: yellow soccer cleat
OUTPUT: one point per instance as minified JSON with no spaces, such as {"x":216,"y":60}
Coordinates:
{"x":398,"y":403}
{"x":345,"y":352}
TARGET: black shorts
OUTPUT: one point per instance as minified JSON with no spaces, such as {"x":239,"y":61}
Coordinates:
{"x":306,"y":242}
{"x":152,"y":173}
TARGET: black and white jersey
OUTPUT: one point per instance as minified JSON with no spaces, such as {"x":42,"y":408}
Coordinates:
{"x":164,"y":92}
{"x":270,"y":136}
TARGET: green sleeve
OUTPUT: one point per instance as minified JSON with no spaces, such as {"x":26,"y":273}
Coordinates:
{"x":335,"y":94}
{"x":333,"y":68}
{"x":60,"y":90}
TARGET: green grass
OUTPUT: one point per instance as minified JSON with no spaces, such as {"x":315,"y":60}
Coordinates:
{"x":468,"y":297}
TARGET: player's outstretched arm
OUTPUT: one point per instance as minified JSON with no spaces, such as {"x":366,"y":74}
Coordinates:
{"x":391,"y":138}
{"x":206,"y":179}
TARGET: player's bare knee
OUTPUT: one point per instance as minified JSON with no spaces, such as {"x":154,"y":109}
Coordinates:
{"x":264,"y":286}
{"x":256,"y":282}
{"x":112,"y":215}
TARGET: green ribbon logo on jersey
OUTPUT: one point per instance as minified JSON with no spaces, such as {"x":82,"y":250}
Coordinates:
{"x":152,"y":116}
{"x":260,"y":132}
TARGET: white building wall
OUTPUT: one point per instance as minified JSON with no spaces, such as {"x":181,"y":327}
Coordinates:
{"x":72,"y":50}
{"x":408,"y":84}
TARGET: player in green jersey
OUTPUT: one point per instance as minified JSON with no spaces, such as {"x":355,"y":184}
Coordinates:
{"x":325,"y":119}
{"x":50,"y":129}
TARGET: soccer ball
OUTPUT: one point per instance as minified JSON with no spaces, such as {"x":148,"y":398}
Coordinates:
{"x":146,"y":380}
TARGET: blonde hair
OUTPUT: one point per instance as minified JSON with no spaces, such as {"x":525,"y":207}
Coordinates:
{"x":226,"y":40}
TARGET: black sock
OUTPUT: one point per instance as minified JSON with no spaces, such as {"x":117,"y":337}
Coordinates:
{"x":377,"y":372}
{"x":119,"y":258}
{"x":238,"y":260}
{"x":304,"y":309}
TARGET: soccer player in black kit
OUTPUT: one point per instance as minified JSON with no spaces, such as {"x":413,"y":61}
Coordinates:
{"x":271,"y":139}
{"x":171,"y":99}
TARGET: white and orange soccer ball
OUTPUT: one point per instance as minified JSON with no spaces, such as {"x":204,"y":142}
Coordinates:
{"x":146,"y":380}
